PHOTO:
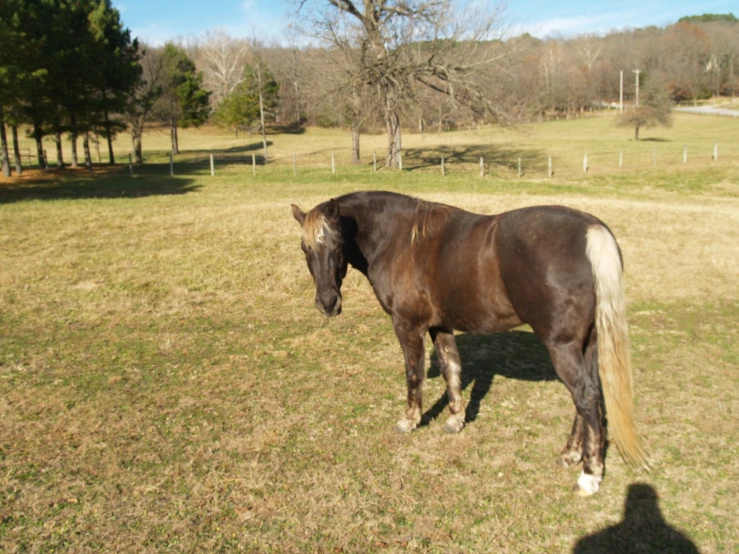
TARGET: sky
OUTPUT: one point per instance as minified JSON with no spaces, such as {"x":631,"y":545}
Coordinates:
{"x":156,"y":21}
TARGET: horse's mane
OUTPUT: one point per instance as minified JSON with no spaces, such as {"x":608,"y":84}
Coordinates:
{"x":425,"y":214}
{"x":316,"y":228}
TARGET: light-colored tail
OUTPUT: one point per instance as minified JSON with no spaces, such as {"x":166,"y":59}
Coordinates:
{"x":614,"y":360}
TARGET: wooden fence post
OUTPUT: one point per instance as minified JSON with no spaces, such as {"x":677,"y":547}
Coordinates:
{"x":482,"y":168}
{"x":519,"y":168}
{"x":295,"y":165}
{"x":585,"y":163}
{"x":253,"y":165}
{"x":685,"y":154}
{"x":549,"y":169}
{"x":333,"y":164}
{"x":212,"y":167}
{"x":715,"y":152}
{"x":443,"y":169}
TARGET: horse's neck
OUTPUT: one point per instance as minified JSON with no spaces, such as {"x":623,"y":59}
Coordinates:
{"x":375,"y":231}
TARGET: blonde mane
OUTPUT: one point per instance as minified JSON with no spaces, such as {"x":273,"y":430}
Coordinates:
{"x":316,"y":229}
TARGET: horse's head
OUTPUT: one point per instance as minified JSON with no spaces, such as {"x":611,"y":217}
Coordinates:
{"x":323,"y":245}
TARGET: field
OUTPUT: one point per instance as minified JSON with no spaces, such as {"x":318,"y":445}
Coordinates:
{"x":166,"y":383}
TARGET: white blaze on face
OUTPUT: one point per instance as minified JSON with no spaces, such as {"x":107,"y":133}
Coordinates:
{"x":321,"y":235}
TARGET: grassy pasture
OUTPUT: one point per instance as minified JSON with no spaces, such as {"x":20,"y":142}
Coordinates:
{"x":167,"y":385}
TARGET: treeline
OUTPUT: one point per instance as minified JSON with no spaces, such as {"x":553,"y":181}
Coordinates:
{"x":538,"y":78}
{"x":70,"y":69}
{"x":692,"y":60}
{"x":65,"y":68}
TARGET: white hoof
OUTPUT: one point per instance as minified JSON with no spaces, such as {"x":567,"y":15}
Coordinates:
{"x":588,"y":485}
{"x":454,"y":424}
{"x":405,"y":426}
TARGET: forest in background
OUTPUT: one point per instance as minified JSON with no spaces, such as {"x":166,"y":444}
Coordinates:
{"x":100,"y":81}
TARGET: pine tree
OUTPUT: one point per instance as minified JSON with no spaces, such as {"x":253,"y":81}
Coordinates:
{"x":184,"y":101}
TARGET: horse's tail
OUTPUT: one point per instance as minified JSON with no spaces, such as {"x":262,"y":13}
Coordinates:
{"x":614,"y":360}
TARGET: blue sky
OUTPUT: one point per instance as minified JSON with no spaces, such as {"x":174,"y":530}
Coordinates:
{"x":159,"y":20}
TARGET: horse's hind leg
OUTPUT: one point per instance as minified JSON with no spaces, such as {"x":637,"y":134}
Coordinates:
{"x":411,"y":340}
{"x":570,"y":365}
{"x":571,"y":454}
{"x":451,"y":369}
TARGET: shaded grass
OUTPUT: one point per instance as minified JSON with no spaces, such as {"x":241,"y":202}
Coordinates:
{"x":166,"y":384}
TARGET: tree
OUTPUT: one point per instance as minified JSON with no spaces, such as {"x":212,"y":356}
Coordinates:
{"x":392,"y":44}
{"x":140,"y":105}
{"x":118,"y":69}
{"x":260,"y":84}
{"x":221,"y":58}
{"x":689,"y":53}
{"x":237,"y":110}
{"x":654,"y":109}
{"x":184,"y":101}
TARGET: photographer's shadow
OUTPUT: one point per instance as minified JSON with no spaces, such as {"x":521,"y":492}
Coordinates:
{"x":643,"y":529}
{"x":513,"y":355}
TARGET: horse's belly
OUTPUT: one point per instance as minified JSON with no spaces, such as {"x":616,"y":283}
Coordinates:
{"x":477,"y":313}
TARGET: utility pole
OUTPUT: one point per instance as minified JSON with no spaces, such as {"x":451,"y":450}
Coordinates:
{"x":637,"y":71}
{"x":621,"y":93}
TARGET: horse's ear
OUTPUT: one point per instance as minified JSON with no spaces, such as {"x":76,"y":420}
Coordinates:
{"x":332,"y":211}
{"x":298,"y":214}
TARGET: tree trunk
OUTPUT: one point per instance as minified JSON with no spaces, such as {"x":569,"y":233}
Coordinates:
{"x":17,"y":151}
{"x":86,"y":147}
{"x":73,"y":138}
{"x":59,"y":156}
{"x":261,"y":115}
{"x":136,"y":140}
{"x":636,"y":133}
{"x":355,"y":144}
{"x":111,"y":156}
{"x":4,"y":145}
{"x":39,"y":137}
{"x":392,"y":121}
{"x":173,"y":134}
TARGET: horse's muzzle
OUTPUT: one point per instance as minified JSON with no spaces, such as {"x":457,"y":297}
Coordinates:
{"x":329,"y":306}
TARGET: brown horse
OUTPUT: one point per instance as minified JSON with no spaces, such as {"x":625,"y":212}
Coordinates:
{"x":436,"y":269}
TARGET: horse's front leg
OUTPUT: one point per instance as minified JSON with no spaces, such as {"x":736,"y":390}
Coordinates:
{"x":411,"y":340}
{"x":451,"y":369}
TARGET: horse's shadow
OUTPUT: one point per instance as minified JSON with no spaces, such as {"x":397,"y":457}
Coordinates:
{"x":513,"y":355}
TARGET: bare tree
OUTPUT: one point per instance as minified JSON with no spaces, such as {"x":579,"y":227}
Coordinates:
{"x":689,"y":53}
{"x":589,"y":47}
{"x":221,"y":58}
{"x":392,"y":44}
{"x":139,"y":109}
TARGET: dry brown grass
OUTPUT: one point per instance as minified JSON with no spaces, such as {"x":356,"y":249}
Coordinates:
{"x":167,"y":385}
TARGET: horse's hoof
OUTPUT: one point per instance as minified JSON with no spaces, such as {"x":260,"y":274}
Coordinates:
{"x":404,"y":426}
{"x":453,"y":425}
{"x":587,"y":485}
